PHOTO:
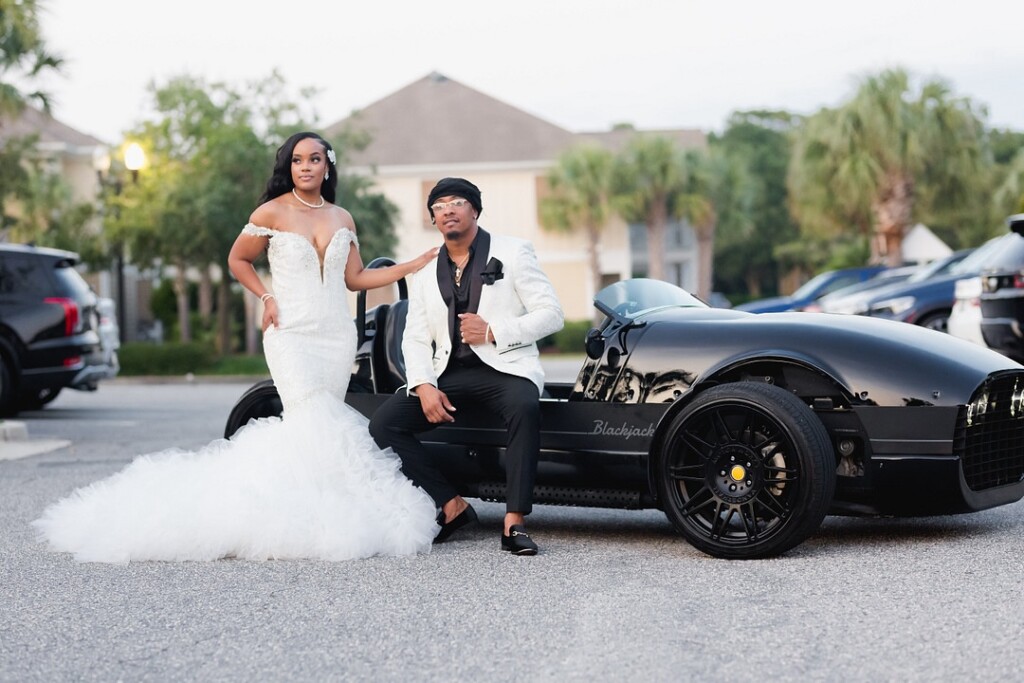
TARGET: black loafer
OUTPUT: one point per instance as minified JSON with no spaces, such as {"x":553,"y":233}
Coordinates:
{"x":518,"y":541}
{"x":467,"y":516}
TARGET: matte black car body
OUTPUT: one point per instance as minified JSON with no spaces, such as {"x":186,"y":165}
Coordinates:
{"x":48,"y":321}
{"x":1002,"y":294}
{"x":746,"y":429}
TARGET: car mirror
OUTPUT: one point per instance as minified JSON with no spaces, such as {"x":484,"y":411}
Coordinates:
{"x":1017,"y":223}
{"x":594,"y":344}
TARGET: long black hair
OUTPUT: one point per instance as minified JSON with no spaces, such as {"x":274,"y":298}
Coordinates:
{"x":281,"y":180}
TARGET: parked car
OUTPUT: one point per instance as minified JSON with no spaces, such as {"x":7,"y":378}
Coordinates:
{"x":1002,"y":294}
{"x":49,"y":322}
{"x":746,"y":430}
{"x":841,"y":300}
{"x":859,"y":303}
{"x":965,"y":318}
{"x":928,"y":301}
{"x":107,"y":365}
{"x":812,"y":290}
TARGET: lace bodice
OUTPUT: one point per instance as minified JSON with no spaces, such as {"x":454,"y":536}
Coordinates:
{"x":313,"y":346}
{"x":300,"y":278}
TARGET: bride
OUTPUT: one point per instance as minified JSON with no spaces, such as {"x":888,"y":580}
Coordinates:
{"x":312,"y":484}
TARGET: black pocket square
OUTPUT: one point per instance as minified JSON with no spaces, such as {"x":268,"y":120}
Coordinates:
{"x":492,"y":272}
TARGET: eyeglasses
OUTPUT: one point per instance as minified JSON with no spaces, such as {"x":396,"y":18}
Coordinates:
{"x":455,"y":204}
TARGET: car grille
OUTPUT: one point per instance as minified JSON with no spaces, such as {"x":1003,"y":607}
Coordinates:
{"x":989,"y":437}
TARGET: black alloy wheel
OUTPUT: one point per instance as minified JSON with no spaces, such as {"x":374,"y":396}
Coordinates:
{"x":746,"y":471}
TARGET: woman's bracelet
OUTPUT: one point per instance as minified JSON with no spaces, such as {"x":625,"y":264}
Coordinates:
{"x":266,"y":296}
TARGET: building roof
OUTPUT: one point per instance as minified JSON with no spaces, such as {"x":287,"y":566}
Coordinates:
{"x":52,"y":133}
{"x":436,"y":120}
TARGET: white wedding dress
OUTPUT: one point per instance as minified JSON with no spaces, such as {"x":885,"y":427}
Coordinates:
{"x":312,"y":484}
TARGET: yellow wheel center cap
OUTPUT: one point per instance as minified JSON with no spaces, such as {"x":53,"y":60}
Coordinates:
{"x":738,"y":473}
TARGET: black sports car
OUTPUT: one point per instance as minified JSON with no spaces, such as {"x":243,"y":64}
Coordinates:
{"x":745,"y":429}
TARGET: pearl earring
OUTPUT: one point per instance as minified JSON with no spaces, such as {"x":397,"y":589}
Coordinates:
{"x":327,"y":174}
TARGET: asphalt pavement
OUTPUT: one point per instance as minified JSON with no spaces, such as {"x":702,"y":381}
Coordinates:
{"x":614,"y":594}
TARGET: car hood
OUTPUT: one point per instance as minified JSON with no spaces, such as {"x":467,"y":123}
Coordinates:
{"x":881,"y":362}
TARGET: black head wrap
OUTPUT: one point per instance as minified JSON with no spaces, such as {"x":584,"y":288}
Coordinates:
{"x":457,"y":187}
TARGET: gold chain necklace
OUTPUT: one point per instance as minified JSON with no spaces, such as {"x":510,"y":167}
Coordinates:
{"x":312,"y":206}
{"x":458,"y":270}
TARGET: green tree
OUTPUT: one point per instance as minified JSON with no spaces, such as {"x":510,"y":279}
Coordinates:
{"x":1008,"y":156}
{"x":889,"y":155}
{"x":48,"y":216}
{"x":716,"y":191}
{"x":15,"y":180}
{"x":646,"y":178}
{"x":757,"y":220}
{"x":211,"y":149}
{"x":1009,"y":196}
{"x":580,"y":190}
{"x":23,"y":56}
{"x":374,"y":214}
{"x":25,"y":185}
{"x":206,"y":167}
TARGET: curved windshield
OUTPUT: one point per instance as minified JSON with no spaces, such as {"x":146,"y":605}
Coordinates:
{"x":634,"y":298}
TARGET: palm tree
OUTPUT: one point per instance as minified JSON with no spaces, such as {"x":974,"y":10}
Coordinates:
{"x":715,"y":187}
{"x":866,"y":163}
{"x":646,"y":178}
{"x":580,"y":186}
{"x":23,"y":55}
{"x":1009,"y":197}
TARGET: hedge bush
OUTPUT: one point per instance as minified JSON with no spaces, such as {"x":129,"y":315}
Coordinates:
{"x":170,"y":358}
{"x":570,"y":338}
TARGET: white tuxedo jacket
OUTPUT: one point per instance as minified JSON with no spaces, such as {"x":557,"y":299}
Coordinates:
{"x":521,"y":308}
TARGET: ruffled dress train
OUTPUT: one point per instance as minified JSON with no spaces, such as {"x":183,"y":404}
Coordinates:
{"x":312,"y":484}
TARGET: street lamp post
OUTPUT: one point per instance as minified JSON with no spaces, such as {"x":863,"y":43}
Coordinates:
{"x":134,"y":160}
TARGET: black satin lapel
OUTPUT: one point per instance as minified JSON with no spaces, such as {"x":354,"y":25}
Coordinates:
{"x":480,"y":256}
{"x":445,"y":284}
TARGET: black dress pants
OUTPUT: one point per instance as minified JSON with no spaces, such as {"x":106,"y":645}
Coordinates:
{"x":514,"y":399}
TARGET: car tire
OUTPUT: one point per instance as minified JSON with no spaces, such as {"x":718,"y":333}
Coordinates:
{"x":7,"y":406}
{"x":936,"y":321}
{"x":259,"y":400}
{"x":746,"y":471}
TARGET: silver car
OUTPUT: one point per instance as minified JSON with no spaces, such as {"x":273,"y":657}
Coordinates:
{"x":104,"y":363}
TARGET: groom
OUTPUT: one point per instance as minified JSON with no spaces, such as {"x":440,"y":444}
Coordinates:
{"x":470,"y":339}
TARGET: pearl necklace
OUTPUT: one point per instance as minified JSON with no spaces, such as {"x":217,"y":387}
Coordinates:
{"x":303,"y":201}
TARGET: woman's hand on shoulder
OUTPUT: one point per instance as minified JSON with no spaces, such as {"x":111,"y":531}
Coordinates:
{"x":423,"y":259}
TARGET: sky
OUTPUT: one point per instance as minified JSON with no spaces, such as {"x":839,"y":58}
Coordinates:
{"x":584,"y":65}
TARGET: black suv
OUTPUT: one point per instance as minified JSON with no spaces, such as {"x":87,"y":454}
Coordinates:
{"x":48,"y":327}
{"x":1002,"y":295}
